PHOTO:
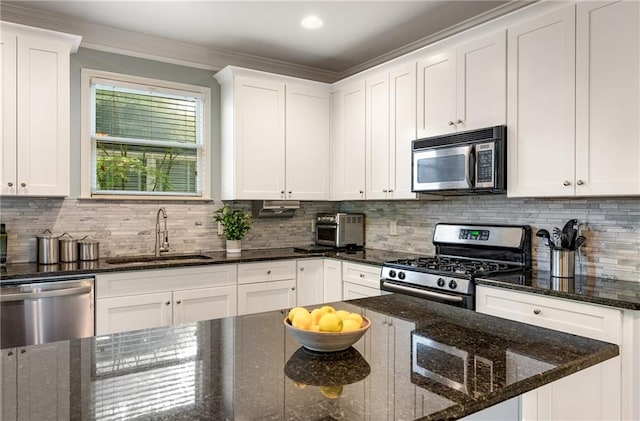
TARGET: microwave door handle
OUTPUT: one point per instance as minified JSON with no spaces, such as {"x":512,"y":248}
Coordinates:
{"x":471,"y":175}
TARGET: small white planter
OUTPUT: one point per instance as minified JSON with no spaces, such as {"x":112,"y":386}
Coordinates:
{"x":234,"y":246}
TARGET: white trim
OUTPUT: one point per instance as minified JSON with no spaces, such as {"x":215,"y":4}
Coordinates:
{"x":87,"y":175}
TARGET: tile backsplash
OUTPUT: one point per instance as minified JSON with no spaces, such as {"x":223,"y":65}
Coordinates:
{"x":611,"y":226}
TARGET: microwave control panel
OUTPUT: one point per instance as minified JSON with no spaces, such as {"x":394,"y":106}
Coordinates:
{"x":485,"y":164}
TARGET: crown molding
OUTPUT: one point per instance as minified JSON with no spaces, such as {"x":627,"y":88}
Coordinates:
{"x":113,"y":40}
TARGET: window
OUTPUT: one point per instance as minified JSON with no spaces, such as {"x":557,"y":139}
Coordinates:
{"x":143,"y":137}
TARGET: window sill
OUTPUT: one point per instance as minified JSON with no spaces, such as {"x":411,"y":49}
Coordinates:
{"x":122,"y":198}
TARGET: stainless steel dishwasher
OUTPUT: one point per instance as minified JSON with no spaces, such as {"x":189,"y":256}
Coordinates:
{"x":36,"y":311}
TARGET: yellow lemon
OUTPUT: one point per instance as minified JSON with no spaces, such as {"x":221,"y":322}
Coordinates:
{"x":315,"y":328}
{"x":330,"y":323}
{"x":350,"y":325}
{"x":331,"y":392}
{"x":299,"y":385}
{"x":358,"y":318}
{"x":343,"y":314}
{"x":293,"y":311}
{"x":301,"y":320}
{"x":328,"y":309}
{"x":316,"y":313}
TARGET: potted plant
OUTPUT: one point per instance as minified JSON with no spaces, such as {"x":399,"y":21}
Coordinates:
{"x":236,"y":223}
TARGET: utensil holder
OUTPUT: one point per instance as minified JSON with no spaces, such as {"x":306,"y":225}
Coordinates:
{"x":563,"y":263}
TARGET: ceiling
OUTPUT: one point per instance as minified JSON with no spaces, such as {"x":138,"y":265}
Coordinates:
{"x":354,"y":32}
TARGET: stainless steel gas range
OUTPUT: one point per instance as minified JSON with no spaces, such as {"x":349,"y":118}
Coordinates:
{"x":464,"y":252}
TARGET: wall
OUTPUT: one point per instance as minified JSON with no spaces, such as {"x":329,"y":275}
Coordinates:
{"x":611,"y":226}
{"x":128,"y":228}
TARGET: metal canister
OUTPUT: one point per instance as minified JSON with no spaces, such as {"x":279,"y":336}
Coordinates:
{"x":88,"y":249}
{"x":48,"y":247}
{"x":68,"y":248}
{"x":563,"y":263}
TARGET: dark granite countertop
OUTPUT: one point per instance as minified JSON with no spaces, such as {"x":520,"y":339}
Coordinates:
{"x":214,"y":370}
{"x":17,"y":271}
{"x":607,"y":292}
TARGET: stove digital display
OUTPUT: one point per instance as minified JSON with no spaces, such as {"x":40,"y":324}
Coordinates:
{"x":482,"y":235}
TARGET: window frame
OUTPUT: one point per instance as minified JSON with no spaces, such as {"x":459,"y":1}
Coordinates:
{"x":87,"y":149}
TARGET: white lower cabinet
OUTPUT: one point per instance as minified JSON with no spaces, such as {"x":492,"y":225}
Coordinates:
{"x":266,"y":286}
{"x":151,"y":298}
{"x":42,"y":375}
{"x":310,"y":282}
{"x":332,"y":280}
{"x":593,"y":393}
{"x":360,"y":280}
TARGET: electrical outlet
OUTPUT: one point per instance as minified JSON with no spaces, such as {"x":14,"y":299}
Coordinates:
{"x":220,"y":229}
{"x":393,"y":228}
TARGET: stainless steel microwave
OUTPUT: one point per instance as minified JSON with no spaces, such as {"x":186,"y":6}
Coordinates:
{"x":473,"y":161}
{"x":340,"y":230}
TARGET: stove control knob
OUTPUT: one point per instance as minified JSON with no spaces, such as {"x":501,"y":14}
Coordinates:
{"x":453,"y":284}
{"x":392,"y":273}
{"x":441,"y":282}
{"x":401,"y":275}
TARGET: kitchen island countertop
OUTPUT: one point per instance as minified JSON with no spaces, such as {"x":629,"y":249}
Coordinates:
{"x":249,"y":367}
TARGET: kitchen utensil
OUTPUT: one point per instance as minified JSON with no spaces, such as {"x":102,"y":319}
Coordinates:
{"x":68,"y":248}
{"x":579,"y":242}
{"x":557,"y":236}
{"x":568,"y":232}
{"x":88,"y":249}
{"x":543,"y":233}
{"x":48,"y":248}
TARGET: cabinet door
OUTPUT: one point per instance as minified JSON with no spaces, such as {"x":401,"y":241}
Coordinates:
{"x":8,"y":144}
{"x":8,"y":385}
{"x":307,"y":143}
{"x":193,"y":305}
{"x":377,"y":136}
{"x":266,"y":296}
{"x":437,"y":94}
{"x":541,"y":105}
{"x":42,"y":117}
{"x":365,"y":275}
{"x":310,"y":282}
{"x":608,"y":98}
{"x":482,"y":83}
{"x":402,"y":130}
{"x":332,"y":280}
{"x":352,"y":146}
{"x":43,"y":379}
{"x":351,"y":291}
{"x":259,"y":139}
{"x":133,"y":312}
{"x":336,"y":135}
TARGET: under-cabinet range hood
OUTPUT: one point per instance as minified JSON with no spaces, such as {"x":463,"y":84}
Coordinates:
{"x":275,"y":208}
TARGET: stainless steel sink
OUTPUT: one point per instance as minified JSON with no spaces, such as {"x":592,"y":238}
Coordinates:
{"x":183,"y":258}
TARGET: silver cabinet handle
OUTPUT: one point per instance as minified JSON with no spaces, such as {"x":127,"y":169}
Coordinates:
{"x":21,"y":296}
{"x":536,"y":311}
{"x":10,"y":184}
{"x":390,"y":191}
{"x":23,"y":184}
{"x":10,"y":353}
{"x":580,"y":182}
{"x":179,"y":302}
{"x":301,"y":269}
{"x":566,"y":183}
{"x":362,"y":275}
{"x":168,"y":302}
{"x":289,"y":191}
{"x":458,"y":121}
{"x":361,"y":191}
{"x":269,"y":272}
{"x":281,"y":191}
{"x":22,"y":351}
{"x":293,"y":288}
{"x":384,"y":191}
{"x":451,"y":123}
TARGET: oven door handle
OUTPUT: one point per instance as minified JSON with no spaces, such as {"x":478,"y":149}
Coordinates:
{"x":53,"y":293}
{"x":422,"y":292}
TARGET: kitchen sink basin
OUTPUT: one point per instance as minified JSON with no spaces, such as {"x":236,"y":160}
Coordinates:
{"x":184,"y":258}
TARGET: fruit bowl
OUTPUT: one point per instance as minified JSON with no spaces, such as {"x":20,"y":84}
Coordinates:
{"x":327,"y":341}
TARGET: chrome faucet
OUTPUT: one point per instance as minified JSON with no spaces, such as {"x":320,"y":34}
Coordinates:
{"x":162,"y":237}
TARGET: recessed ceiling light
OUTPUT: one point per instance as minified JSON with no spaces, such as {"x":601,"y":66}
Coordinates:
{"x":311,"y":22}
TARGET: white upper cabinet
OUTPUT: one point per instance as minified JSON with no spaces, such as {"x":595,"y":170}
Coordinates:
{"x":390,"y":128}
{"x":463,"y":88}
{"x":574,"y":102}
{"x":608,"y":98}
{"x":348,"y":141}
{"x":35,"y":111}
{"x":275,"y":137}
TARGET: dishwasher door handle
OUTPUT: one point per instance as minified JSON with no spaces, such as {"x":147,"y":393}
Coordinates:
{"x":52,"y":293}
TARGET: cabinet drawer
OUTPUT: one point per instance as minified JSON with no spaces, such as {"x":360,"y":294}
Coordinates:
{"x":365,"y":275}
{"x":278,"y":270}
{"x":160,"y":280}
{"x":587,"y":320}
